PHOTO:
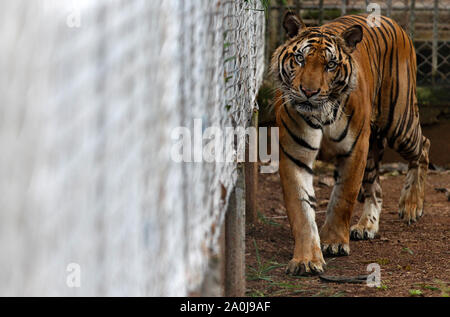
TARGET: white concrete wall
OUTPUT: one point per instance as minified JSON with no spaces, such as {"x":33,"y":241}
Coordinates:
{"x":86,"y":118}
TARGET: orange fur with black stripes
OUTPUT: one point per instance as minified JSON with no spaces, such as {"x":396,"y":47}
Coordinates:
{"x":346,"y":89}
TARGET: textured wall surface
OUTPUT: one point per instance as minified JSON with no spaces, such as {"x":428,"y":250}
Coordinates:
{"x":90,"y":94}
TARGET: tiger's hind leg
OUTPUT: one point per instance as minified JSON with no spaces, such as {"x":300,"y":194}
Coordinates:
{"x":413,"y":147}
{"x":371,"y":193}
{"x":413,"y":192}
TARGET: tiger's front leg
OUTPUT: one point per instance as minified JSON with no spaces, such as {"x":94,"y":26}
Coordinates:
{"x":298,"y":152}
{"x":300,"y":204}
{"x":335,"y":233}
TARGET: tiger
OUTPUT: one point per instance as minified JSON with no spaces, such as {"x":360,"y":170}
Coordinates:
{"x":344,"y":91}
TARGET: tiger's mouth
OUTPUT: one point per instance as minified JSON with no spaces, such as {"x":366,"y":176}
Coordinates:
{"x":306,"y":106}
{"x":323,"y":112}
{"x":312,"y":106}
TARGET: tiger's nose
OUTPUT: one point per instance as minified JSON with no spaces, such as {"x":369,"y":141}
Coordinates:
{"x":309,"y":92}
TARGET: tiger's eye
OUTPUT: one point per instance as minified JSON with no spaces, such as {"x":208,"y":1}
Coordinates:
{"x":299,"y":58}
{"x":331,"y":65}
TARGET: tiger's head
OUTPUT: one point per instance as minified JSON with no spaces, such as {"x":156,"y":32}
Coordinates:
{"x":314,"y":68}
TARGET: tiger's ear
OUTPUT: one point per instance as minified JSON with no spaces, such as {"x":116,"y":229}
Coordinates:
{"x":292,"y":23}
{"x":352,"y":36}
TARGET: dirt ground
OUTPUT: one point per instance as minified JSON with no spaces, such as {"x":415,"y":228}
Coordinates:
{"x":414,"y":259}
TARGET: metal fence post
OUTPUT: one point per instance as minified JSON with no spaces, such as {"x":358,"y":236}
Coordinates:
{"x":389,"y":8}
{"x":267,"y":35}
{"x":320,"y":12}
{"x":251,"y":174}
{"x":281,"y":11}
{"x":298,"y":6}
{"x":434,"y":60}
{"x":344,"y":7}
{"x":235,"y":239}
{"x":412,"y":19}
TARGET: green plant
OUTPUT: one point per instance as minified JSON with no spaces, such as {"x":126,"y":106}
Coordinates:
{"x":267,"y":221}
{"x":432,"y":96}
{"x":260,"y":272}
{"x":329,"y":292}
{"x":415,"y":292}
{"x":437,"y":285}
{"x":285,"y":288}
{"x":383,"y":261}
{"x":408,"y":250}
{"x":382,"y":287}
{"x":266,"y":102}
{"x":256,"y":293}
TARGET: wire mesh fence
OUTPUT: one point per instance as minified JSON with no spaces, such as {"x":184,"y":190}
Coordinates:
{"x":426,"y":21}
{"x":91,"y":92}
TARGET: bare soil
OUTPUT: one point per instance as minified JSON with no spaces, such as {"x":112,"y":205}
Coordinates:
{"x":414,"y":259}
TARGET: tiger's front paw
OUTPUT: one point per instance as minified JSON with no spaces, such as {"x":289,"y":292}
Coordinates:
{"x":334,"y":240}
{"x":305,"y":267}
{"x":307,"y":259}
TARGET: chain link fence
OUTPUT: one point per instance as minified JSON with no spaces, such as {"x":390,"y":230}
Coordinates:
{"x":91,"y":92}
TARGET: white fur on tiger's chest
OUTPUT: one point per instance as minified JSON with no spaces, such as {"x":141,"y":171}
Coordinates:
{"x":337,"y":139}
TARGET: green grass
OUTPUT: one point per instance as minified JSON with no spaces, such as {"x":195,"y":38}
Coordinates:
{"x":286,"y":288}
{"x":408,"y":250}
{"x":433,"y":96}
{"x":262,"y":272}
{"x":267,"y":221}
{"x":329,"y":292}
{"x":383,"y":261}
{"x":415,"y":292}
{"x":266,"y":94}
{"x":437,"y":285}
{"x":383,"y":287}
{"x":256,"y":293}
{"x":262,"y":269}
{"x":265,"y":100}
